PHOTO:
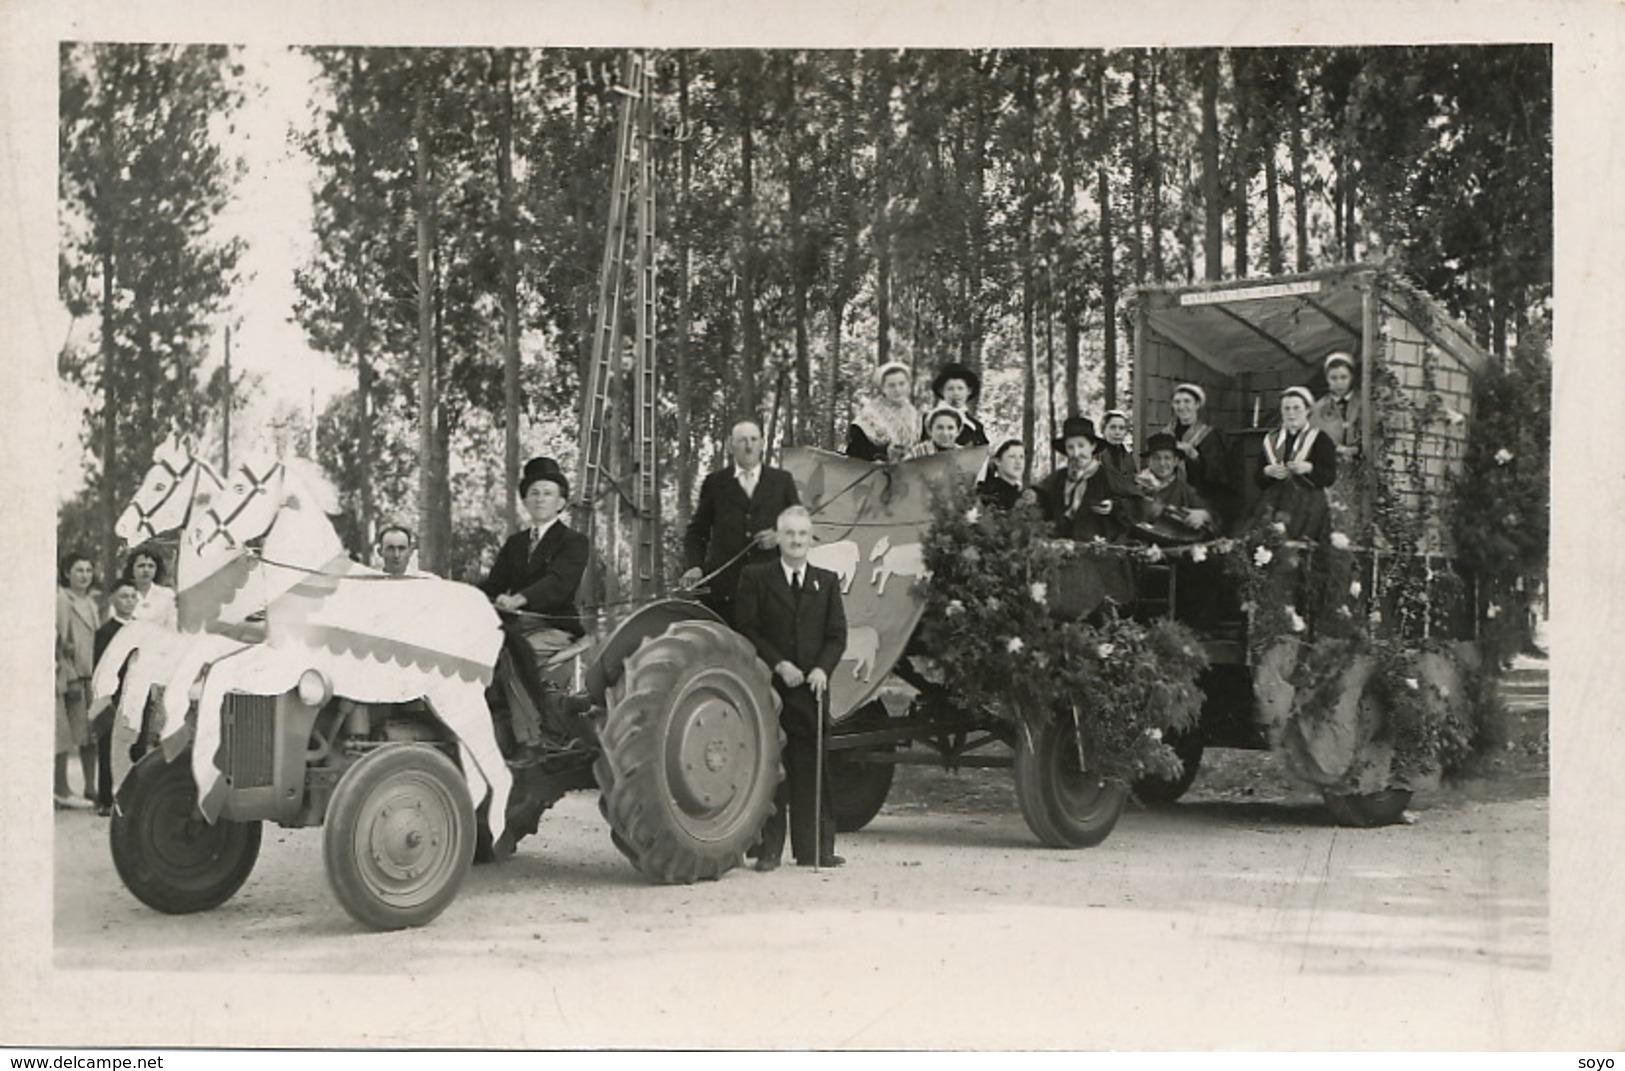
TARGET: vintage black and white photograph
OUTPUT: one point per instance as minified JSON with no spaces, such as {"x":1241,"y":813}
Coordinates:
{"x":803,"y":547}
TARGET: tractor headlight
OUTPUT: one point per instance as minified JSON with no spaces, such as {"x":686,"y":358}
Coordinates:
{"x":314,"y":689}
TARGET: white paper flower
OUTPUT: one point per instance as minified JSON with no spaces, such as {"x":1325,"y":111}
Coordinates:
{"x":973,"y":515}
{"x":1278,"y":527}
{"x":1502,"y":456}
{"x":955,"y":608}
{"x":1262,"y":557}
{"x":1375,"y":617}
{"x":1413,"y":684}
{"x":1355,"y":587}
{"x":1492,"y":612}
{"x":1247,"y":607}
{"x":1455,"y":416}
{"x":1344,"y":612}
{"x":1105,"y":650}
{"x":1014,"y":645}
{"x":1154,"y":553}
{"x":1154,"y":734}
{"x":1039,"y":592}
{"x":1340,"y":541}
{"x":1199,"y":553}
{"x":1298,"y":623}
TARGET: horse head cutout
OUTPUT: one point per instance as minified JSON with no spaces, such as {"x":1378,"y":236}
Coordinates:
{"x":164,"y":499}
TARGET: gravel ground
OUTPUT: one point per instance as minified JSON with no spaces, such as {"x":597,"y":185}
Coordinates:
{"x":1239,"y":917}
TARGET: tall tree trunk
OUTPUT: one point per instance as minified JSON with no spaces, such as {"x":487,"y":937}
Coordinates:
{"x":1300,"y":199}
{"x":750,"y":351}
{"x":882,"y":223}
{"x":360,"y":176}
{"x":1028,"y":199}
{"x":685,"y":258}
{"x":837,"y":325}
{"x":1350,"y":235}
{"x":1213,"y":207}
{"x":507,"y":244}
{"x":1108,"y":268}
{"x":1156,"y":173}
{"x":431,"y":553}
{"x":1137,"y":166}
{"x":1069,"y":284}
{"x":1272,"y":205}
{"x":111,"y":471}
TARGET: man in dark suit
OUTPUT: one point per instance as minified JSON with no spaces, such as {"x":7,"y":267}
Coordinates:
{"x":738,"y":507}
{"x":535,"y":578}
{"x":791,"y":611}
{"x":122,"y":603}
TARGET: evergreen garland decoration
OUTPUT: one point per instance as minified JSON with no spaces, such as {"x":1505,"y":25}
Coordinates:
{"x":1001,"y":638}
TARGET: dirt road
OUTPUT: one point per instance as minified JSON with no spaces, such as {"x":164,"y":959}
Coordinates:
{"x":1237,"y":918}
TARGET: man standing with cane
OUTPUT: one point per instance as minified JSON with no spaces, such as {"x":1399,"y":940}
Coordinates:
{"x":791,"y":611}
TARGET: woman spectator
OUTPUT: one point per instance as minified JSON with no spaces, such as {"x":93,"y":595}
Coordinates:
{"x":1299,"y":463}
{"x":77,"y":619}
{"x":1203,"y":449}
{"x":1003,"y":487}
{"x":959,"y":387}
{"x":1115,"y":449}
{"x":155,"y":601}
{"x":887,"y":425}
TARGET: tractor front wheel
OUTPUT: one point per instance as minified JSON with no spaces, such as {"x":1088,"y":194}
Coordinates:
{"x":399,"y":836}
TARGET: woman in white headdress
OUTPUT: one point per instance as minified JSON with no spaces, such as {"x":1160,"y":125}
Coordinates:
{"x":1299,"y":463}
{"x":886,"y":425}
{"x":1204,"y":452}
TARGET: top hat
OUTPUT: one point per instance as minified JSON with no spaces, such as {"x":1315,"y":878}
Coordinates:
{"x":957,"y":371}
{"x":1073,"y":427}
{"x":543,"y":468}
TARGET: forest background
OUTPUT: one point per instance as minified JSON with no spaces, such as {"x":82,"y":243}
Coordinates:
{"x":819,"y":212}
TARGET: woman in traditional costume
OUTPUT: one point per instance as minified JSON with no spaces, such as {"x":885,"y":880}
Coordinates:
{"x":1115,"y":450}
{"x":959,"y":387}
{"x":1204,"y":451}
{"x":1337,"y":416}
{"x":1299,"y":463}
{"x":1003,"y":487}
{"x":887,"y":425}
{"x":943,"y":426}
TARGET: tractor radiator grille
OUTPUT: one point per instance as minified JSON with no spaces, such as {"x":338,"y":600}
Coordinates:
{"x":249,"y":736}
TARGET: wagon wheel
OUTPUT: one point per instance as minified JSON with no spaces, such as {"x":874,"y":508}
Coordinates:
{"x":857,"y":790}
{"x":1368,"y":809}
{"x":1188,"y":747}
{"x":690,"y":753}
{"x":1066,"y":803}
{"x":165,"y":852}
{"x":399,"y":836}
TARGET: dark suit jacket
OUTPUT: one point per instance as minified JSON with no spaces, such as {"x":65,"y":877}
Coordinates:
{"x":725,"y":520}
{"x":547,"y":577}
{"x":1085,"y":524}
{"x":809,"y":636}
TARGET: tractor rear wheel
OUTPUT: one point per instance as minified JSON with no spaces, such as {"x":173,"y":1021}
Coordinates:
{"x":399,"y":836}
{"x":690,"y":756}
{"x":165,"y":852}
{"x":1066,"y":803}
{"x":857,"y":790}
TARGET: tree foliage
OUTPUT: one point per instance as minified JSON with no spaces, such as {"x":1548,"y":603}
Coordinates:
{"x":142,"y":180}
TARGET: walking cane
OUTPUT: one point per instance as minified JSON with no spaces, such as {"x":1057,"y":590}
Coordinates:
{"x":818,"y":781}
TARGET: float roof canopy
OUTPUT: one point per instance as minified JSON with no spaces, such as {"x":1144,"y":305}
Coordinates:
{"x":1258,"y":325}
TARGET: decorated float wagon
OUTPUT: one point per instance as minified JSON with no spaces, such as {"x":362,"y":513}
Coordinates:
{"x":1354,"y":658}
